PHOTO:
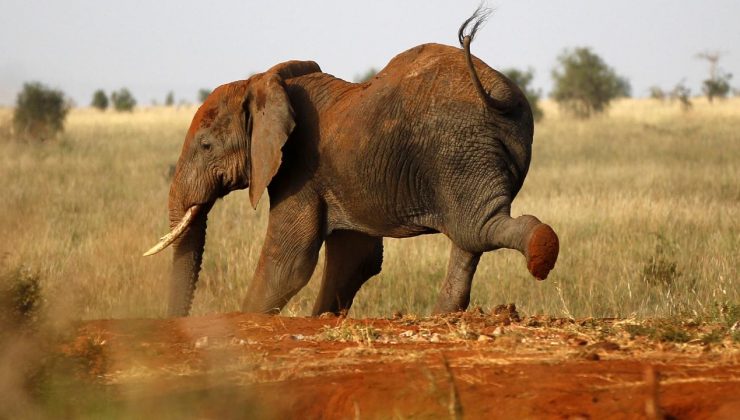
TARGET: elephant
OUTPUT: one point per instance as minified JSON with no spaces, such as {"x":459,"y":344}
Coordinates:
{"x":436,"y":142}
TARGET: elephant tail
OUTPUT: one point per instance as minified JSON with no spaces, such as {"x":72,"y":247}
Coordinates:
{"x":477,"y":19}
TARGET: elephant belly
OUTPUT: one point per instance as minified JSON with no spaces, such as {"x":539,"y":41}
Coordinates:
{"x":376,"y":220}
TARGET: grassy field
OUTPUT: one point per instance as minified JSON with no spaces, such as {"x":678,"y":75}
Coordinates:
{"x":646,"y":201}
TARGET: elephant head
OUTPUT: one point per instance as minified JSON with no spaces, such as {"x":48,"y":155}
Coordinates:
{"x":234,"y":142}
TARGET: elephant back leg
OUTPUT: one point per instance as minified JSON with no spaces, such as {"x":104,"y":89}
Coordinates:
{"x":289,"y":253}
{"x":455,"y":293}
{"x":351,"y":259}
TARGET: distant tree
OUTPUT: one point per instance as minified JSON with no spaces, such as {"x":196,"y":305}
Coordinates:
{"x":585,"y":84}
{"x":123,"y":100}
{"x":100,"y":100}
{"x":718,"y":83}
{"x":39,"y":111}
{"x":523,"y":79}
{"x":203,"y":94}
{"x":717,"y":88}
{"x":682,"y":94}
{"x":369,"y":74}
{"x":169,"y":100}
{"x":657,"y":93}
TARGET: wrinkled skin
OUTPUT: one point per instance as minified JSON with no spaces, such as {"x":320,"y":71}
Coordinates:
{"x":413,"y":151}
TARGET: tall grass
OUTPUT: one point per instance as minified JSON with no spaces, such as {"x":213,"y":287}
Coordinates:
{"x":646,"y":201}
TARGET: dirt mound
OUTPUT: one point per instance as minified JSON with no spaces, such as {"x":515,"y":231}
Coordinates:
{"x":470,"y":365}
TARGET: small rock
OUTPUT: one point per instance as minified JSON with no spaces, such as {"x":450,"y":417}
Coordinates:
{"x":498,"y":332}
{"x":590,"y":355}
{"x":434,"y":338}
{"x":201,"y":342}
{"x":484,"y":338}
{"x":604,"y":345}
{"x":241,"y":342}
{"x":407,"y":333}
{"x":298,"y":337}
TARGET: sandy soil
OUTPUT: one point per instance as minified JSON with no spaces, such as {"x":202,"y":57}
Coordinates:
{"x":470,"y":365}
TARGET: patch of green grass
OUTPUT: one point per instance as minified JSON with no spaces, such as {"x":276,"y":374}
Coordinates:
{"x":664,"y":331}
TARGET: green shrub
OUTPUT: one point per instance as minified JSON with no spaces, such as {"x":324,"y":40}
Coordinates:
{"x":523,"y":79}
{"x":123,"y":100}
{"x":20,"y":299}
{"x":718,"y":83}
{"x":584,"y":84}
{"x":203,"y":94}
{"x":99,"y":100}
{"x":657,"y":93}
{"x":718,"y":87}
{"x":682,"y":93}
{"x":169,"y":100}
{"x":364,"y":77}
{"x":661,"y":268}
{"x":39,"y":111}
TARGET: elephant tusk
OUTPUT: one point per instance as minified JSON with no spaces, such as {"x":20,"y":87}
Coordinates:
{"x":175,"y":233}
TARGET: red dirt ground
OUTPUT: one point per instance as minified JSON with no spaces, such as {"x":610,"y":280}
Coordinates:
{"x":460,"y":366}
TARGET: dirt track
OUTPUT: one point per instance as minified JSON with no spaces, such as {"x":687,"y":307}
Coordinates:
{"x":470,"y":365}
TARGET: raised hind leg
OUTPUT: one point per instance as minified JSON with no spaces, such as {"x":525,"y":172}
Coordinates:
{"x":535,"y":240}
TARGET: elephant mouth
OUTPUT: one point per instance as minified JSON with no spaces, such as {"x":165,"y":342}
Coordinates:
{"x":176,"y":232}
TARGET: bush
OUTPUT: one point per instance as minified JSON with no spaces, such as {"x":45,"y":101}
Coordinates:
{"x":169,"y":100}
{"x":657,"y":93}
{"x":369,"y":74}
{"x":682,"y":93}
{"x":99,"y":100}
{"x":718,"y":83}
{"x":523,"y":80}
{"x":20,"y":299}
{"x":39,"y":111}
{"x":123,"y":100}
{"x":717,"y":87}
{"x":585,"y":84}
{"x":203,"y":94}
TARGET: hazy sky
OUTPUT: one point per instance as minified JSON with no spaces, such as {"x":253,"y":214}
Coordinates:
{"x":152,"y":46}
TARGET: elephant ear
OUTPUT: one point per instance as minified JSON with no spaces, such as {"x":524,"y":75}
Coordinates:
{"x":272,"y":120}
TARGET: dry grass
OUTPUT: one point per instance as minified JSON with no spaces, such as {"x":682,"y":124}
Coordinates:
{"x":645,"y":200}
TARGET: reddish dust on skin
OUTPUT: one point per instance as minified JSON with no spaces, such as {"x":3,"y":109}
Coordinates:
{"x":498,"y":365}
{"x":542,"y":251}
{"x":224,"y":98}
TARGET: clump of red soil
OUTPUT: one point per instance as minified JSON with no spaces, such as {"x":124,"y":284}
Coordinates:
{"x":542,"y":251}
{"x":472,"y":365}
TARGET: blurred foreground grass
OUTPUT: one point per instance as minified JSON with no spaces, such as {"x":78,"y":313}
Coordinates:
{"x":646,"y":201}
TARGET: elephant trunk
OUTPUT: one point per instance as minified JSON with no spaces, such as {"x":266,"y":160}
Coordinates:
{"x":186,"y":263}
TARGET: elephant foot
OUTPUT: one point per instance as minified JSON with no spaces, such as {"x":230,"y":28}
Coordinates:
{"x":542,"y":251}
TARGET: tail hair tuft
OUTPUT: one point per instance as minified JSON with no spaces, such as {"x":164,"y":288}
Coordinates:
{"x":477,"y":19}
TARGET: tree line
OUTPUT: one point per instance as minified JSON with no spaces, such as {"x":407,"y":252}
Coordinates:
{"x":583,"y":85}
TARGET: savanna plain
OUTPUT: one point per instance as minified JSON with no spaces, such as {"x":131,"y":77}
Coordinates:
{"x":645,"y":200}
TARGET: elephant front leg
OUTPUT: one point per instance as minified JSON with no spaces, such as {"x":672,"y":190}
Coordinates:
{"x":288,"y":258}
{"x":455,"y":293}
{"x":351,"y":259}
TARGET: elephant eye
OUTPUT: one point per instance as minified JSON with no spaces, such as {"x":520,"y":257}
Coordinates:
{"x":205,"y":145}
